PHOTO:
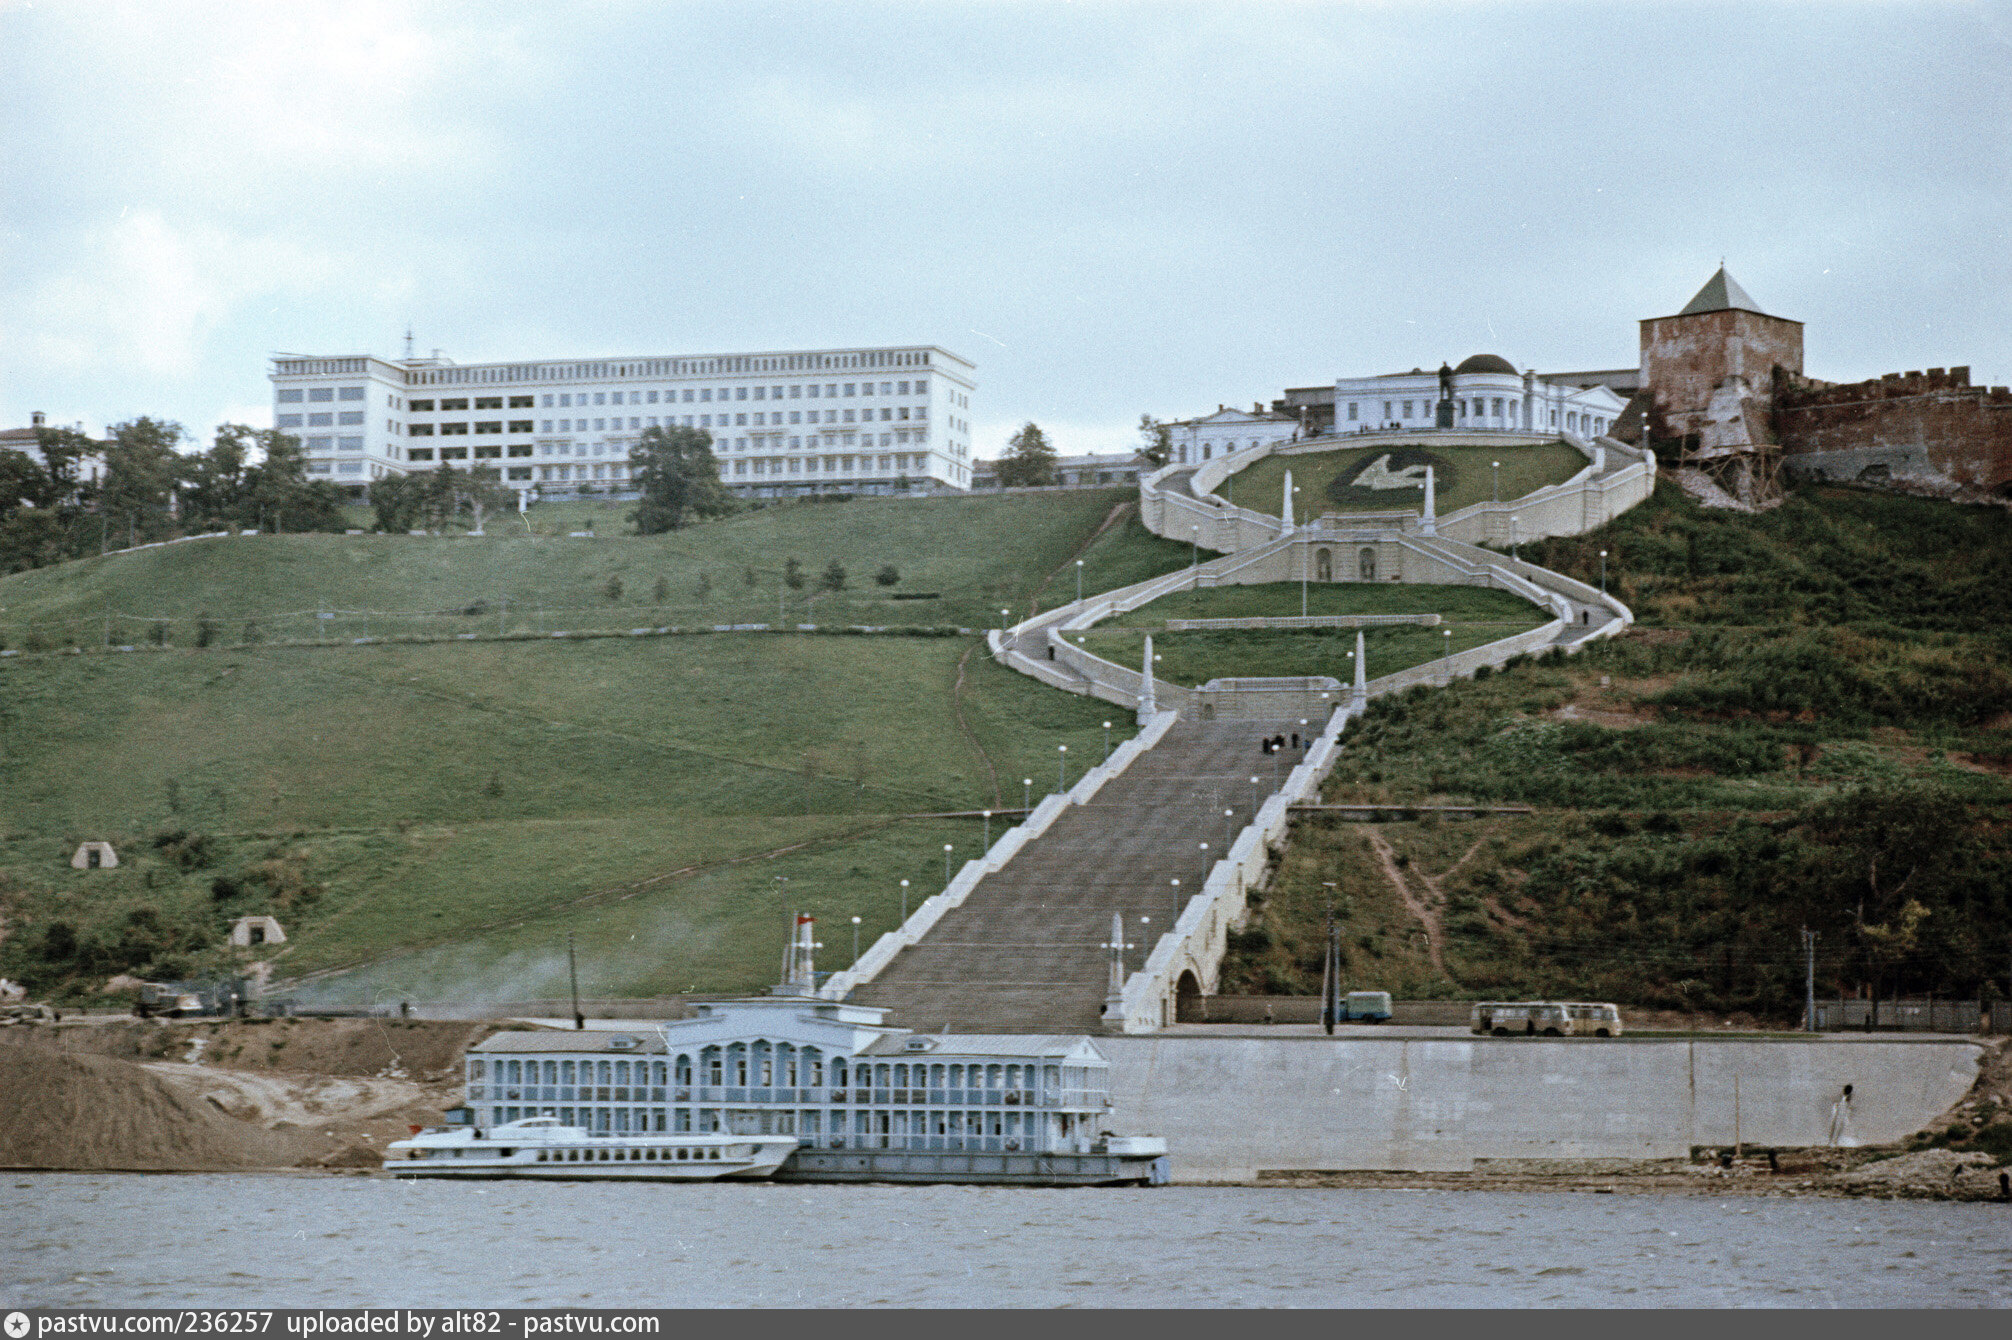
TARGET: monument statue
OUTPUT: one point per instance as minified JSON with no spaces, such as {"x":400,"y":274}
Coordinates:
{"x":1444,"y":416}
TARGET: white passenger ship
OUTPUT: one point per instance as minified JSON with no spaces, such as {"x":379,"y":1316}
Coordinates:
{"x":542,"y":1147}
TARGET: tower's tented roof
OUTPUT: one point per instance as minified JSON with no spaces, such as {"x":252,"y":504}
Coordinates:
{"x":1720,"y":292}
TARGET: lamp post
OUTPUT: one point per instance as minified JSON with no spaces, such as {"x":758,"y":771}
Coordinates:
{"x":1176,"y":884}
{"x":1255,"y":783}
{"x":904,"y":902}
{"x":1026,"y":797}
{"x":1512,"y":539}
{"x":988,"y":830}
{"x":1447,"y":659}
{"x":1079,"y":581}
{"x":1107,"y":742}
{"x":946,"y":863}
{"x":1061,"y":767}
{"x":1205,"y":861}
{"x":855,"y":942}
{"x":1228,"y":814}
{"x":1495,"y":474}
{"x":1603,"y":572}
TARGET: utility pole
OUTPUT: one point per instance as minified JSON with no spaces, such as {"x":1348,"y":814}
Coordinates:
{"x":1330,"y":974}
{"x":573,"y":972}
{"x":1809,"y":939}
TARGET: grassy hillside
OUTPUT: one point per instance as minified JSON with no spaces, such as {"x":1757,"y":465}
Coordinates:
{"x":975,"y":555}
{"x":1813,"y":727}
{"x":1462,"y":477}
{"x":1473,"y":615}
{"x":449,"y":810}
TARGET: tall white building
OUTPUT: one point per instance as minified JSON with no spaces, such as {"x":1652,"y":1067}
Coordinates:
{"x":801,"y":421}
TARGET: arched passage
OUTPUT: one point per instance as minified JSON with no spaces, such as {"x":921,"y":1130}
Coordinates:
{"x":1365,"y":563}
{"x":1188,"y":998}
{"x":1323,"y":565}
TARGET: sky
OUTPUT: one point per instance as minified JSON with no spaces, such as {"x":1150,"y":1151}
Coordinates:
{"x":1111,"y":209}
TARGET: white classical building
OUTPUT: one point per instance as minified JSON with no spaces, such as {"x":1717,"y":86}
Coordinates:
{"x":1484,"y":393}
{"x":784,"y":422}
{"x":1227,"y":430}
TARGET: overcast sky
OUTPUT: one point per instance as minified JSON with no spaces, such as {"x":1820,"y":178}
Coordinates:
{"x":1111,"y":209}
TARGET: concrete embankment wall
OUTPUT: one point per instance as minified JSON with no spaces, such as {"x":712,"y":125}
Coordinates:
{"x":1231,"y":1107}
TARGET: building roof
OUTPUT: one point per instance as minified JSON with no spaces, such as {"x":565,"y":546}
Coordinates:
{"x":1720,"y":293}
{"x":1485,"y":363}
{"x":1074,"y":1045}
{"x":642,"y":1041}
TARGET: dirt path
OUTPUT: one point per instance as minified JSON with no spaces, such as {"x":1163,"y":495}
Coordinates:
{"x":957,"y":706}
{"x":1117,"y":513}
{"x":1426,"y":911}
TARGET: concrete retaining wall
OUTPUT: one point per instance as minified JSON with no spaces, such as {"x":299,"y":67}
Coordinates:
{"x":1231,"y":1107}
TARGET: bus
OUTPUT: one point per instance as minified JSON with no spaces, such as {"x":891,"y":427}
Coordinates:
{"x":1529,"y":1018}
{"x":1594,"y":1018}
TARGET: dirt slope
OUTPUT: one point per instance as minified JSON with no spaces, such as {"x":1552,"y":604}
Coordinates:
{"x":93,"y":1113}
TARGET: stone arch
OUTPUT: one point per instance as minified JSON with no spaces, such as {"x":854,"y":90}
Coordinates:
{"x":1188,"y":997}
{"x":1323,"y":565}
{"x":1365,"y":563}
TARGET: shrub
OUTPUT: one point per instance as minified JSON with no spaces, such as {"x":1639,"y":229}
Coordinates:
{"x":889,"y":575}
{"x":612,"y":588}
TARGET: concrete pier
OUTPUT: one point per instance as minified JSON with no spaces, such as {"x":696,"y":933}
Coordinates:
{"x":1232,"y":1104}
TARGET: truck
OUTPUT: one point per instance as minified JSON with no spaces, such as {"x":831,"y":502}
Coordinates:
{"x":1365,"y":1007}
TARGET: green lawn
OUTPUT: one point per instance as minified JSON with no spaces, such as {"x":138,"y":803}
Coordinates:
{"x":449,"y":810}
{"x":1463,"y":477}
{"x":1473,"y":615}
{"x":977,"y":555}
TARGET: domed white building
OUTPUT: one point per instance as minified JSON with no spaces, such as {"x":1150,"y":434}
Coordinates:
{"x":1484,"y":393}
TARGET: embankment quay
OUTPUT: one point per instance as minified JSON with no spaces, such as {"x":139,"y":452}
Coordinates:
{"x":1235,"y":1102}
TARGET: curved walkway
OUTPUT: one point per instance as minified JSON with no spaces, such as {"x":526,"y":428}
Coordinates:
{"x":1020,"y":942}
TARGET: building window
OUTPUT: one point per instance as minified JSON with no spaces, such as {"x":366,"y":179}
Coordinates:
{"x":488,"y":453}
{"x":421,"y":407}
{"x":520,"y":448}
{"x":289,"y":397}
{"x":454,"y":404}
{"x":489,"y":426}
{"x":350,"y":418}
{"x":1351,"y":411}
{"x":420,"y":454}
{"x":520,"y":472}
{"x":323,"y":420}
{"x":319,"y":394}
{"x":349,"y":467}
{"x":454,"y":430}
{"x":419,"y":430}
{"x":454,"y":453}
{"x":289,"y":420}
{"x":349,"y":444}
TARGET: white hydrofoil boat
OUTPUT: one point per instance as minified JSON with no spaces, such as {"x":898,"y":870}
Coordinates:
{"x":541,"y":1147}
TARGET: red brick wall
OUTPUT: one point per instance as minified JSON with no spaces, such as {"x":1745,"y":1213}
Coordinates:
{"x":1685,"y":357}
{"x":1966,"y":430}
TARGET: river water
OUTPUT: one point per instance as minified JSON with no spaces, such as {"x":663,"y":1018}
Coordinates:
{"x":129,"y":1240}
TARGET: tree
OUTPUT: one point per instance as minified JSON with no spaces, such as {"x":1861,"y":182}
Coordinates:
{"x":662,"y":590}
{"x":140,"y":473}
{"x":833,"y":578}
{"x":889,"y":575}
{"x":396,"y":500}
{"x":1030,"y":460}
{"x":792,"y":574}
{"x":1156,"y":440}
{"x":679,"y":479}
{"x":612,"y":588}
{"x":482,"y":492}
